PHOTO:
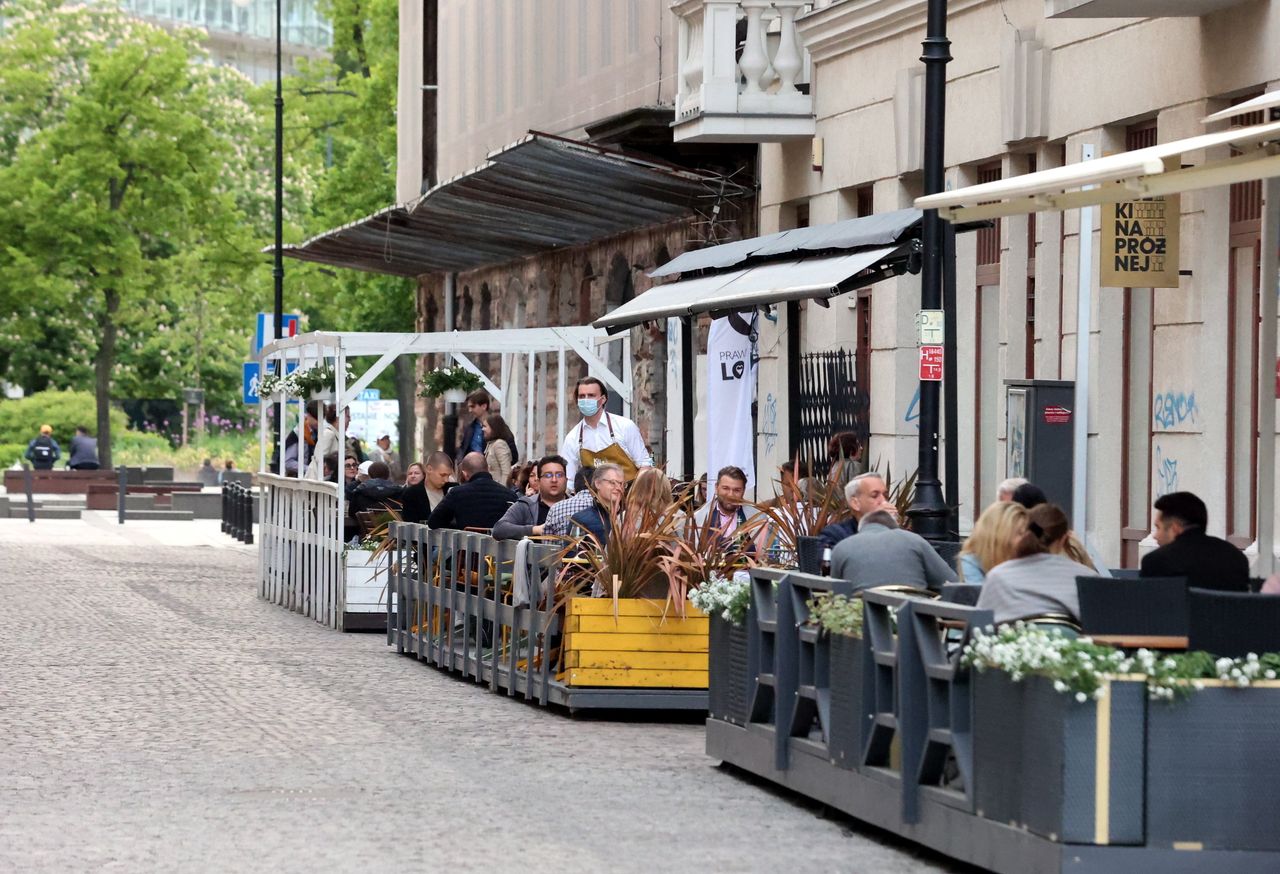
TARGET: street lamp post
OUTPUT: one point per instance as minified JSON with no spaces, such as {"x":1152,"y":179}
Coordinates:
{"x":929,"y":512}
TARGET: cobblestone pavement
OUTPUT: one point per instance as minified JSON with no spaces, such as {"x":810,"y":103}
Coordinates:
{"x":154,"y":714}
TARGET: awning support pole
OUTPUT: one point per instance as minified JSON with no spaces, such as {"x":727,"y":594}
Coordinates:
{"x":562,"y":392}
{"x":950,"y":386}
{"x":1269,"y":288}
{"x":687,"y":388}
{"x":1084,"y":328}
{"x":929,"y":510}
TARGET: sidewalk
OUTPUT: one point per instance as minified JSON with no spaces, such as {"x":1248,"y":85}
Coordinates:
{"x":101,"y":528}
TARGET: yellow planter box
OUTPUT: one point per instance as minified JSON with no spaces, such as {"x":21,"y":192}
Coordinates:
{"x":646,"y":646}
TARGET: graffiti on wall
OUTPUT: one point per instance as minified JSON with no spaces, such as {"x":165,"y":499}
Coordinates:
{"x":769,"y":423}
{"x":912,"y":415}
{"x":1173,"y":408}
{"x":1166,"y":473}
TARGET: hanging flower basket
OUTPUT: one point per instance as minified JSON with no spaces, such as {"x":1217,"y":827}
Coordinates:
{"x":451,"y":383}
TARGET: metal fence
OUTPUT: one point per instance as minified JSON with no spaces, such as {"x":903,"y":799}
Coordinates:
{"x":829,"y":402}
{"x":237,"y":511}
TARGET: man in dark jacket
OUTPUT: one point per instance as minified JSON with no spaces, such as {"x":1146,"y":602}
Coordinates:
{"x":84,"y":451}
{"x":43,"y":451}
{"x":476,"y":502}
{"x":1186,"y":551}
{"x":866,"y":493}
{"x":528,"y":515}
{"x":378,"y":492}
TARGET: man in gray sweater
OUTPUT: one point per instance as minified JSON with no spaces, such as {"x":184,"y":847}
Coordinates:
{"x":883,"y":554}
{"x":527,"y":516}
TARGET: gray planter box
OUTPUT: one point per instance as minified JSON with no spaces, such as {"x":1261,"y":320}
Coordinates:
{"x":1213,"y":778}
{"x":727,"y":679}
{"x":845,"y":739}
{"x":1036,"y":759}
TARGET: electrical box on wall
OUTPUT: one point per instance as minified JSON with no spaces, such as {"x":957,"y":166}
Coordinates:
{"x":1039,"y":435}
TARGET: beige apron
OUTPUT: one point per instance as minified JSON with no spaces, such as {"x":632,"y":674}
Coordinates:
{"x":611,"y":454}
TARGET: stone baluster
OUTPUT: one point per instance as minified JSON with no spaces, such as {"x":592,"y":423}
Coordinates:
{"x":692,"y":72}
{"x":787,"y":62}
{"x":755,"y":58}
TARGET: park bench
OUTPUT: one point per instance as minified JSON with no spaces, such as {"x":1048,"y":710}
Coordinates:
{"x":56,"y":482}
{"x":106,"y":496}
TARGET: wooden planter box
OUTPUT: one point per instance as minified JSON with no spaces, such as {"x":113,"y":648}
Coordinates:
{"x":728,"y":680}
{"x":645,"y":646}
{"x":1071,"y":772}
{"x":1212,"y":772}
{"x":845,"y":738}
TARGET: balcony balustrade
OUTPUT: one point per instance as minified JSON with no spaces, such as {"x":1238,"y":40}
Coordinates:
{"x":742,"y":71}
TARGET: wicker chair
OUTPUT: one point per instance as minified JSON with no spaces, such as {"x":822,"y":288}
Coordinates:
{"x":1233,"y":624}
{"x":809,"y":554}
{"x":1150,"y":606}
{"x":900,"y":589}
{"x":1059,"y":622}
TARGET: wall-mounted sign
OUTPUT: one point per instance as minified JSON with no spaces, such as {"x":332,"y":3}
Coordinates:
{"x":930,"y":326}
{"x":931,"y":364}
{"x":1140,"y":243}
{"x":1057,"y":415}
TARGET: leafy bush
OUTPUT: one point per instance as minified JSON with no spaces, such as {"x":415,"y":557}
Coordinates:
{"x":11,"y":452}
{"x":838,"y":614}
{"x":64,"y":411}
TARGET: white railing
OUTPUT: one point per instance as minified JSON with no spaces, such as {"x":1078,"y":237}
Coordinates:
{"x":300,"y":547}
{"x":715,"y":80}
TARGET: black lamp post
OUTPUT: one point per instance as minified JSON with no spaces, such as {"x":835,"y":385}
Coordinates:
{"x":277,"y":270}
{"x":929,"y":512}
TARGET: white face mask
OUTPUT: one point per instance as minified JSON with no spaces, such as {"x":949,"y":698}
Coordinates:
{"x":588,"y":406}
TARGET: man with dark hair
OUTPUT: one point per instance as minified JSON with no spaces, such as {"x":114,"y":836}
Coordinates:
{"x":476,"y":502}
{"x":602,"y":437}
{"x":527,"y":517}
{"x":560,"y":517}
{"x":726,"y":512}
{"x":378,"y":492}
{"x":471,"y":435}
{"x":84,"y":451}
{"x":1187,"y":551}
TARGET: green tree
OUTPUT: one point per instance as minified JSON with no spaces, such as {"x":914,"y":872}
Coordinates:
{"x":123,"y":175}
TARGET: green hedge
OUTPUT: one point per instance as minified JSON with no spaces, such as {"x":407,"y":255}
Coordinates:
{"x":11,"y":452}
{"x":64,"y":411}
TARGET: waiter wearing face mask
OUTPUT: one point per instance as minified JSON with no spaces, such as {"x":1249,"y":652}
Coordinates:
{"x":601,"y":436}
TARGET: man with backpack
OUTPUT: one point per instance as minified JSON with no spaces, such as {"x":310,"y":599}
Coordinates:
{"x":43,"y":451}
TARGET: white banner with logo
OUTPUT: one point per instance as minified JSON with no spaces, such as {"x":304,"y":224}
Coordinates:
{"x":731,"y":388}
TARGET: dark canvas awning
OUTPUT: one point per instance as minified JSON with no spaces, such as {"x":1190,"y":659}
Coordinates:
{"x":538,"y":194}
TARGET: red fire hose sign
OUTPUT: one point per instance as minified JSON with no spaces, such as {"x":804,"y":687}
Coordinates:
{"x":931,"y":364}
{"x":1054,"y":415}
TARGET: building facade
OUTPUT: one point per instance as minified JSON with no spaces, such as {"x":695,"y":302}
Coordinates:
{"x":1175,"y":398}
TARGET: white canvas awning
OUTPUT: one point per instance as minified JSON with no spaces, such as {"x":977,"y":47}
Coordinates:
{"x":750,"y":287}
{"x":1149,"y":172}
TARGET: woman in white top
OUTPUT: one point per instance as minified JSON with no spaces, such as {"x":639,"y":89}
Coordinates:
{"x":327,"y":441}
{"x":1035,"y":581}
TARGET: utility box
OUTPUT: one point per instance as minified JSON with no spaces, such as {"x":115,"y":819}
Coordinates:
{"x":1040,"y":435}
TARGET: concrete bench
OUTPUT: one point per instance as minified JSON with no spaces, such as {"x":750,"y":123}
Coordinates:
{"x":56,"y":482}
{"x":205,"y":505}
{"x":106,"y":496}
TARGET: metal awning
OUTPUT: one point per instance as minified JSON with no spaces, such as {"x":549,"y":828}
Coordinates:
{"x":882,"y":229}
{"x":540,"y":193}
{"x":1149,"y":172}
{"x":761,"y":285}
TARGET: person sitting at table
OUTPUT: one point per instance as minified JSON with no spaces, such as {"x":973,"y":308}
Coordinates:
{"x":596,"y":521}
{"x":991,"y":541}
{"x":1187,"y":551}
{"x":477,"y":502}
{"x":1036,"y":580}
{"x":378,"y":492}
{"x":559,"y":518}
{"x":865,"y":493}
{"x":527,"y":517}
{"x":883,"y":554}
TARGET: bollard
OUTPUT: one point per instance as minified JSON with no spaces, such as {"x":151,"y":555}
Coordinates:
{"x":226,"y":509}
{"x":248,"y":514}
{"x":31,"y":503}
{"x":124,"y":490}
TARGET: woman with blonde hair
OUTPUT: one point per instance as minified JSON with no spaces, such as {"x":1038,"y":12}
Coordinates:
{"x":648,"y":499}
{"x":991,"y":541}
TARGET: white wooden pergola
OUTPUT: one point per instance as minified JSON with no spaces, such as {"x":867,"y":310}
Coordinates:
{"x":518,"y":349}
{"x":1166,"y":168}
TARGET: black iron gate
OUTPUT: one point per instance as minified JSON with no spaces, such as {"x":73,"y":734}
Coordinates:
{"x":828,"y":402}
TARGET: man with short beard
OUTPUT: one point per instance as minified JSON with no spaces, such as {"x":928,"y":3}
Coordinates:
{"x":527,"y":517}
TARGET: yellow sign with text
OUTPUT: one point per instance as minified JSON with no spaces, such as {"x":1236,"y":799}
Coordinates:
{"x":1140,"y":243}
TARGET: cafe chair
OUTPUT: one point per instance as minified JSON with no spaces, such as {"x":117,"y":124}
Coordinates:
{"x":961,"y":593}
{"x":1059,"y":622}
{"x":900,"y":589}
{"x":1125,"y":573}
{"x":1233,"y":624}
{"x":1152,"y":606}
{"x":809,"y":554}
{"x":948,"y":550}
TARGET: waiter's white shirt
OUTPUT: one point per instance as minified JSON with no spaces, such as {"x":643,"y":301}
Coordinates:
{"x":583,"y":436}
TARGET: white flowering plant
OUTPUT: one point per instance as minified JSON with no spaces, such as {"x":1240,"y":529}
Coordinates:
{"x":301,"y":383}
{"x":444,"y":379}
{"x":727,"y":597}
{"x":1078,"y":666}
{"x":838,"y":614}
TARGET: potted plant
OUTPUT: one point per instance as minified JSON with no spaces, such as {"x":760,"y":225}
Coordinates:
{"x":727,"y":600}
{"x":451,"y":383}
{"x":840,"y":616}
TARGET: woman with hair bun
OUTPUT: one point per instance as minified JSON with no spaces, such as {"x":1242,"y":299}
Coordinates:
{"x":1036,"y":580}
